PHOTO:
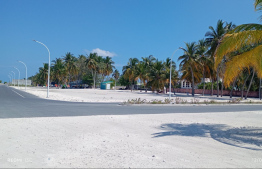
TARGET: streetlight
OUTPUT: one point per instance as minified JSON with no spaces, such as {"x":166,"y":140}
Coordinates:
{"x":171,"y":73}
{"x":48,"y":67}
{"x":18,"y":76}
{"x":25,"y":73}
{"x":14,"y":77}
{"x":11,"y":77}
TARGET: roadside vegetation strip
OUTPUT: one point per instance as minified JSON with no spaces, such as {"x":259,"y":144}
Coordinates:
{"x":179,"y":100}
{"x":18,"y":94}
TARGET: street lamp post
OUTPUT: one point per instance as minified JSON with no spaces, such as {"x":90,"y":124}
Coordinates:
{"x":18,"y":76}
{"x":14,"y":77}
{"x":171,"y":73}
{"x":48,"y":67}
{"x":25,"y":73}
{"x":11,"y":77}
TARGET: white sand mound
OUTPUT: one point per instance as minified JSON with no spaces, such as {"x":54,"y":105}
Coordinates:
{"x":207,"y":140}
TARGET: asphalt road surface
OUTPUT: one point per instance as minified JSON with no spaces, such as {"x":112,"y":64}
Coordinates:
{"x":19,"y":104}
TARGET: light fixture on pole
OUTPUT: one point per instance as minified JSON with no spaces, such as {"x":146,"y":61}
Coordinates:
{"x":171,"y":72}
{"x":48,"y":67}
{"x":14,"y":76}
{"x":25,"y":73}
{"x":18,"y":76}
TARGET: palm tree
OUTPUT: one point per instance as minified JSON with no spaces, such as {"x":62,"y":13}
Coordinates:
{"x":130,"y":71}
{"x":116,"y":75}
{"x":205,"y":61}
{"x":59,"y":70}
{"x":157,"y":76}
{"x":108,"y":65}
{"x":43,"y":74}
{"x":244,"y":44}
{"x":92,"y":64}
{"x":81,"y":66}
{"x":142,"y":72}
{"x":214,"y":37}
{"x":189,"y":61}
{"x":70,"y":61}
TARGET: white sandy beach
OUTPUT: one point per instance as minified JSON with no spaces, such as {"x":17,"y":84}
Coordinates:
{"x":119,"y":96}
{"x":198,"y":140}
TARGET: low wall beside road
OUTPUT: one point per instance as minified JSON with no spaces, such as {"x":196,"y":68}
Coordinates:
{"x":208,"y":92}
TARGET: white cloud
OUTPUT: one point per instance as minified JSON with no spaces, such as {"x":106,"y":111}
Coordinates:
{"x":101,"y":52}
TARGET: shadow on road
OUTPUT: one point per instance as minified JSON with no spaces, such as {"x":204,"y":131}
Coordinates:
{"x":242,"y":137}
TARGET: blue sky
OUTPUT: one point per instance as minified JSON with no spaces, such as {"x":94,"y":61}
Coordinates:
{"x":118,"y":28}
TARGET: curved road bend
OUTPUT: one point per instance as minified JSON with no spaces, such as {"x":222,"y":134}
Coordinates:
{"x":19,"y":104}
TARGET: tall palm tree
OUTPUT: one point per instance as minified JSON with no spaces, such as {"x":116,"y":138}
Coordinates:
{"x":108,"y":65}
{"x":214,"y":37}
{"x":81,"y":66}
{"x":142,"y":72}
{"x":244,"y":44}
{"x":92,"y":64}
{"x":157,"y":76}
{"x":204,"y":60}
{"x":116,"y":75}
{"x":43,"y":74}
{"x":189,"y":60}
{"x":70,"y":65}
{"x":130,"y":72}
{"x":59,"y":70}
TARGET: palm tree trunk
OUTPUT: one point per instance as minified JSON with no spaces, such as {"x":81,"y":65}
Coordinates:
{"x":243,"y":87}
{"x":193,"y":83}
{"x":217,"y":83}
{"x":222,"y":86}
{"x":250,"y":84}
{"x":259,"y":88}
{"x":115,"y":84}
{"x":204,"y":82}
{"x":234,"y":83}
{"x":212,"y":87}
{"x":94,"y":78}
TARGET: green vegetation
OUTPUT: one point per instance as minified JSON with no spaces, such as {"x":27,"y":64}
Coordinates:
{"x":229,"y":55}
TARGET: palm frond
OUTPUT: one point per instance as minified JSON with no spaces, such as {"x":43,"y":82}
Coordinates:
{"x":236,"y":41}
{"x":234,"y":67}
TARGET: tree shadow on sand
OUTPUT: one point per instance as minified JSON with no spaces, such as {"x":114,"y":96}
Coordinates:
{"x":242,"y":137}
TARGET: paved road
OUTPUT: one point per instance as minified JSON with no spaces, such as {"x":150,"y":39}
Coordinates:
{"x":18,"y":104}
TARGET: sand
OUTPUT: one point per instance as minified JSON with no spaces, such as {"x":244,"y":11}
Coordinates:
{"x":199,"y":140}
{"x":119,"y":96}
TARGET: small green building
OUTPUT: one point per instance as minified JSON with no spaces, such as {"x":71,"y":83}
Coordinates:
{"x":106,"y":85}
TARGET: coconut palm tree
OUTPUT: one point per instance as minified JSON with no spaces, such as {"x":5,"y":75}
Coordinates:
{"x":214,"y":37}
{"x":157,"y":76}
{"x":92,"y":64}
{"x":244,"y":44}
{"x":130,"y":71}
{"x":81,"y":66}
{"x":43,"y":74}
{"x":142,"y":72}
{"x":59,"y":70}
{"x":70,"y":65}
{"x":189,"y":62}
{"x":116,"y":75}
{"x":204,"y":60}
{"x":108,"y":65}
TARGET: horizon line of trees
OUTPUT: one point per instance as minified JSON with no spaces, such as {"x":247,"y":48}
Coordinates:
{"x":229,"y":55}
